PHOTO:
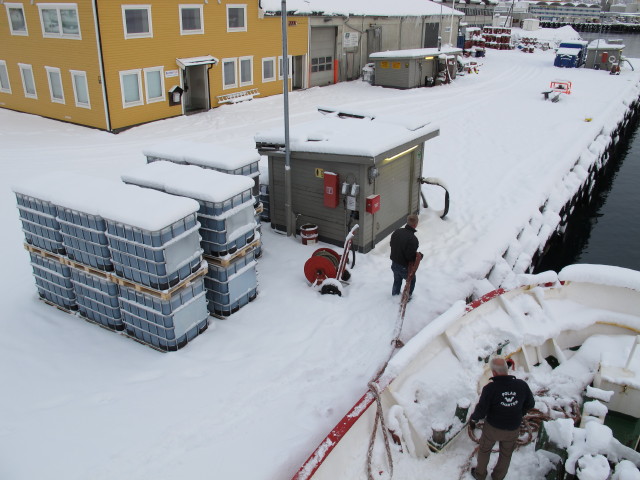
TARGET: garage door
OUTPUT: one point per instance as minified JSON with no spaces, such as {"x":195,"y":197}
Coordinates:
{"x":323,"y":48}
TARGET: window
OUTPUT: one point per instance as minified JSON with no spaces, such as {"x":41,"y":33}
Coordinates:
{"x":191,"y":19}
{"x":5,"y":86}
{"x":321,"y":64}
{"x":269,"y":69}
{"x":137,"y":21}
{"x":28,"y":83}
{"x":289,"y":66}
{"x":17,"y":22}
{"x":246,"y":71}
{"x":229,"y":79}
{"x":55,"y":84}
{"x":131,"y":88}
{"x":59,"y":20}
{"x":236,"y":18}
{"x":80,"y":88}
{"x":154,"y":84}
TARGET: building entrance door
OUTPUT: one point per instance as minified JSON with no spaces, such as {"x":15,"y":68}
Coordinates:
{"x":196,"y":89}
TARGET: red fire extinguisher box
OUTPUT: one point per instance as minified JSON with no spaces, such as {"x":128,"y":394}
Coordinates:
{"x":373,"y":203}
{"x":331,"y":189}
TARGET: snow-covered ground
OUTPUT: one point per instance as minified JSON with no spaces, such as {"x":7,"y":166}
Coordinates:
{"x":255,"y":394}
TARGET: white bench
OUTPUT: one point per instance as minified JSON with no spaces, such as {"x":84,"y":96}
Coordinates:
{"x":238,"y":96}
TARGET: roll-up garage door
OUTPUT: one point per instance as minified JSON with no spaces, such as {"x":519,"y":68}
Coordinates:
{"x":323,"y":49}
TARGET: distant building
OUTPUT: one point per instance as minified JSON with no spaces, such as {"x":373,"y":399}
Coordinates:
{"x":565,"y":12}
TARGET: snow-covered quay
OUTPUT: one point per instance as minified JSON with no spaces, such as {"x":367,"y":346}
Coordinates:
{"x":255,"y":394}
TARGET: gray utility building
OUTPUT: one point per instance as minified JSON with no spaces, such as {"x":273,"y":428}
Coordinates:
{"x":604,"y":53}
{"x":342,"y":35}
{"x":422,"y":67}
{"x":348,"y":168}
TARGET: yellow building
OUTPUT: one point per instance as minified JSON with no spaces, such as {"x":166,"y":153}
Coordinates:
{"x":112,"y":64}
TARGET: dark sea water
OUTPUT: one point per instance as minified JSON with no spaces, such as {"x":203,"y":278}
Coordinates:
{"x":608,"y":230}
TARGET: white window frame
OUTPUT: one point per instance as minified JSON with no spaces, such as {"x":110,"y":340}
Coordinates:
{"x":148,"y":34}
{"x":235,"y":70}
{"x":23,"y":67}
{"x":243,"y":7}
{"x":54,"y":70}
{"x":162,"y":98}
{"x":80,"y":73}
{"x":290,"y":72}
{"x":273,"y":62}
{"x":240,"y":60}
{"x":191,"y":32}
{"x":17,"y":32}
{"x":58,"y":7}
{"x":138,"y":72}
{"x":7,"y":89}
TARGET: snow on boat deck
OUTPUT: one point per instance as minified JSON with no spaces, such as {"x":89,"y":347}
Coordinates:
{"x":254,"y":395}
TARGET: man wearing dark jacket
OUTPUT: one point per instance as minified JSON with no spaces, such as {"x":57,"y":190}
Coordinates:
{"x":503,"y":401}
{"x":404,"y":248}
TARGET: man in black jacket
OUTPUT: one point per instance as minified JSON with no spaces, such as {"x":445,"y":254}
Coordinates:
{"x":404,"y":248}
{"x":503,"y":401}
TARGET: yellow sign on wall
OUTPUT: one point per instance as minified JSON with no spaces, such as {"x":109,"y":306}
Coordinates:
{"x":384,"y":64}
{"x":320,"y":172}
{"x":396,"y":65}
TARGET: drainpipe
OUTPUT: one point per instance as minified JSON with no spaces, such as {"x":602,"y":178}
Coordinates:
{"x":101,"y":60}
{"x":285,"y":91}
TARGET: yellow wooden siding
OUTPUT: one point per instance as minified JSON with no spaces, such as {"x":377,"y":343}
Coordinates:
{"x":262,"y":39}
{"x":65,"y":54}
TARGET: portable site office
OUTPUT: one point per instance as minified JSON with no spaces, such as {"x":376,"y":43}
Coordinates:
{"x":348,"y":168}
{"x":422,"y":67}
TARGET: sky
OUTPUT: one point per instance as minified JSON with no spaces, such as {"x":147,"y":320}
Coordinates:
{"x":254,"y":395}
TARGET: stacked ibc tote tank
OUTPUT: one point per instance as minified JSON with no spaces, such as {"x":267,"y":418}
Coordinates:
{"x":228,"y":230}
{"x":123,"y":257}
{"x":220,"y":158}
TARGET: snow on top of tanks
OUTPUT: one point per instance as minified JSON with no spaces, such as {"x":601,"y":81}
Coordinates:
{"x":189,"y":181}
{"x":202,"y":154}
{"x":135,"y":206}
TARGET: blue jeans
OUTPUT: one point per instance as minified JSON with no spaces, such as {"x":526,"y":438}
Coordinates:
{"x":400,"y":273}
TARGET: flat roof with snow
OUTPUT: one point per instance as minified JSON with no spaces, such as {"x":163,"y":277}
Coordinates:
{"x":416,"y":53}
{"x":396,"y":8}
{"x":362,"y":137}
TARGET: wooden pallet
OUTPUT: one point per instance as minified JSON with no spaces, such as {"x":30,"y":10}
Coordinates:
{"x":55,"y":305}
{"x":229,"y":259}
{"x":162,"y":294}
{"x":44,"y":253}
{"x":112,"y":277}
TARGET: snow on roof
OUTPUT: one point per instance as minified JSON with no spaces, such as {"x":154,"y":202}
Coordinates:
{"x":603,"y":44}
{"x":189,"y":181}
{"x":397,"y":8}
{"x":574,"y":51}
{"x":350,"y":136}
{"x":416,"y":52}
{"x":203,"y":154}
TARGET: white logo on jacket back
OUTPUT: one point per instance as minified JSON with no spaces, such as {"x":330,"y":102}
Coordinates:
{"x":509,"y":399}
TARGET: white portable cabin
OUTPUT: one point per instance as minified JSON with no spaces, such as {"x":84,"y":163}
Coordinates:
{"x":348,"y":168}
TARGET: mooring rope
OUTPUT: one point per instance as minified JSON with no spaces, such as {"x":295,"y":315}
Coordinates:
{"x":385,"y":434}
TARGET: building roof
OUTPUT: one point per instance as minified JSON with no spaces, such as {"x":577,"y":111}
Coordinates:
{"x":416,"y":53}
{"x":368,"y":136}
{"x":382,"y":8}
